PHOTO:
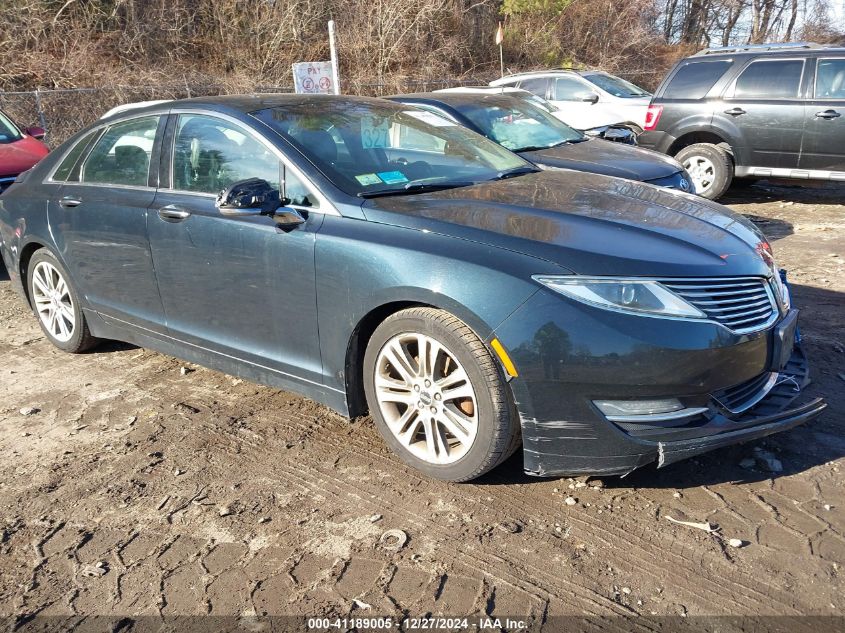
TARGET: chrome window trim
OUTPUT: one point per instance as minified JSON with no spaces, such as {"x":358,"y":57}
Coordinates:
{"x":326,"y":207}
{"x":816,"y":78}
{"x":729,"y":93}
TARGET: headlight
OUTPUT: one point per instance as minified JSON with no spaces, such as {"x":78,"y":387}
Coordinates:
{"x":782,"y":289}
{"x":626,"y":295}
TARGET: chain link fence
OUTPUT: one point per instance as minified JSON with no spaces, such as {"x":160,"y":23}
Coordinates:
{"x":63,"y":112}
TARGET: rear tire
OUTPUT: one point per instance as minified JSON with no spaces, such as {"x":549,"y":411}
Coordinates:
{"x":56,"y":304}
{"x":710,"y":168}
{"x":446,"y":411}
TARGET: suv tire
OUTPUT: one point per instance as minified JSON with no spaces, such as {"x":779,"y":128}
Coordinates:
{"x":710,"y":168}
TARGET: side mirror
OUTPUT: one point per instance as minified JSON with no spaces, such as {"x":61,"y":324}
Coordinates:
{"x":36,"y":132}
{"x":591,"y":98}
{"x":252,"y":196}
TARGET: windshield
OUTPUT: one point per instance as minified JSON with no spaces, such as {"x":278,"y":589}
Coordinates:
{"x":366,"y":146}
{"x":9,"y":132}
{"x":616,"y":86}
{"x":518,"y":125}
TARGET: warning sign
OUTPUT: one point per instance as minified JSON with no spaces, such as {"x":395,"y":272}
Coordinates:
{"x":313,"y":78}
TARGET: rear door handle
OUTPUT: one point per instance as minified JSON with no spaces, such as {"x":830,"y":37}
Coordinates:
{"x":172,"y":213}
{"x":69,"y":202}
{"x":828,"y":114}
{"x":735,"y":111}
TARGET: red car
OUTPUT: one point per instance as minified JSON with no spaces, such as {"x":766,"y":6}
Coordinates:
{"x":19,"y":149}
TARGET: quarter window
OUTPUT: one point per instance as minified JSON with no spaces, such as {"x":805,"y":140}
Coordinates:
{"x":209,"y":154}
{"x":775,"y":79}
{"x":299,"y":194}
{"x":830,"y":79}
{"x":122,"y":155}
{"x":64,"y":170}
{"x":694,"y":80}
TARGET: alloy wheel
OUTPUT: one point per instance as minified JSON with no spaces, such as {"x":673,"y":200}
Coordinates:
{"x":426,"y":398}
{"x":702,"y":171}
{"x":53,"y":302}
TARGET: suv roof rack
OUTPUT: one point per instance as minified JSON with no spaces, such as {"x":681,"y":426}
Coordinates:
{"x":756,"y":47}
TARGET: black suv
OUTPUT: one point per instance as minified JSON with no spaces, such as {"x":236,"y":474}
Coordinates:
{"x":758,"y":111}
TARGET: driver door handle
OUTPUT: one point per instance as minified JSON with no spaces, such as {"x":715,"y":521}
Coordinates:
{"x":735,"y":111}
{"x":68,"y":202}
{"x":828,"y":114}
{"x":173,"y":213}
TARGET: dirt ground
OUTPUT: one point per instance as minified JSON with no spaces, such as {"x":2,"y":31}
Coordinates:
{"x":137,"y":488}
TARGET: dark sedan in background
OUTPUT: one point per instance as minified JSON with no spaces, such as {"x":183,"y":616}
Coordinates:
{"x":541,"y":138}
{"x":19,"y":149}
{"x":371,"y":255}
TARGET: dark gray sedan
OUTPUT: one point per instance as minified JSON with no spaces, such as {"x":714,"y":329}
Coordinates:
{"x":374,"y":256}
{"x":546,"y":141}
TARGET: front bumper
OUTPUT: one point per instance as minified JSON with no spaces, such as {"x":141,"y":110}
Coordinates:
{"x":568,"y":357}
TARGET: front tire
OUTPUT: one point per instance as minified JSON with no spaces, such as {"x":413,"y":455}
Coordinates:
{"x":437,"y":396}
{"x":56,"y":304}
{"x":710,"y":168}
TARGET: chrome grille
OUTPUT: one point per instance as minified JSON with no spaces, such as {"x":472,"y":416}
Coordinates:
{"x":745,"y":395}
{"x":743,"y":304}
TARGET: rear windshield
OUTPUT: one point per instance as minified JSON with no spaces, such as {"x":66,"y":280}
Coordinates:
{"x":694,"y":80}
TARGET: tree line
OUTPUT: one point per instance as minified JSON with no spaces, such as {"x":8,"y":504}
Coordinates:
{"x":247,"y":43}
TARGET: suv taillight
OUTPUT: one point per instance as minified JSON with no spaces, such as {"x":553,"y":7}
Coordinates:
{"x":652,"y":116}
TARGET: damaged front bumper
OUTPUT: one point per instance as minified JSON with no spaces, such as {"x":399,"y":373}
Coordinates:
{"x":634,"y":445}
{"x":732,"y":387}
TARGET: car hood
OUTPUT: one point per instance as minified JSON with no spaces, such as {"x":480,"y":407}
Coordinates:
{"x":608,"y":158}
{"x":588,"y":224}
{"x":20,"y":155}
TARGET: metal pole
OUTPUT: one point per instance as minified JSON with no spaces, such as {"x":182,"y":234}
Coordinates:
{"x":501,"y":60}
{"x":333,"y":50}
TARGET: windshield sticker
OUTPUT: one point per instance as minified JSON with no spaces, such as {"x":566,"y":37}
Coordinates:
{"x":392,"y":177}
{"x":429,"y":117}
{"x":375,"y":132}
{"x":368,"y":179}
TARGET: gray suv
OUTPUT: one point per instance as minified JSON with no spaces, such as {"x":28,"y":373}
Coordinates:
{"x":756,"y":111}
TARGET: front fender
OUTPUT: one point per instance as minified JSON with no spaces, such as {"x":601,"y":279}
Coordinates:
{"x":363,"y":266}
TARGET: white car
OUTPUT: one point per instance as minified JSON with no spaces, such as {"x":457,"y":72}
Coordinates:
{"x":586,"y":98}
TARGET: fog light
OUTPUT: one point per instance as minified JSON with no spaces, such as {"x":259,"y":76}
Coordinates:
{"x":612,"y":408}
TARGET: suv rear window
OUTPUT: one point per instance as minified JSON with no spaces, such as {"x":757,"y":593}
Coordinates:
{"x":694,"y":80}
{"x":770,"y":79}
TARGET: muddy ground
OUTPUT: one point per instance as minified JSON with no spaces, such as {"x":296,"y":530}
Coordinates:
{"x":139,"y":489}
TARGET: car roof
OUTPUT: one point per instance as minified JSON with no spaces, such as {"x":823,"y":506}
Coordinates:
{"x":481,"y":90}
{"x":767,"y":50}
{"x":242,"y":104}
{"x":541,"y":73}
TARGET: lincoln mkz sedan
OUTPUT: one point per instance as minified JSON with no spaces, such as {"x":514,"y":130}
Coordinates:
{"x":376,"y":257}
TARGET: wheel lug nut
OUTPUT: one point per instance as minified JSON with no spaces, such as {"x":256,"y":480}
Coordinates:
{"x":428,"y":383}
{"x":437,"y":396}
{"x":420,"y":405}
{"x":434,"y":409}
{"x":416,"y":388}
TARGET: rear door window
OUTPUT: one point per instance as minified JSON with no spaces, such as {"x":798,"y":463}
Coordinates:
{"x":830,"y":79}
{"x":537,"y":86}
{"x":122,"y":155}
{"x":770,"y":79}
{"x":694,"y":80}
